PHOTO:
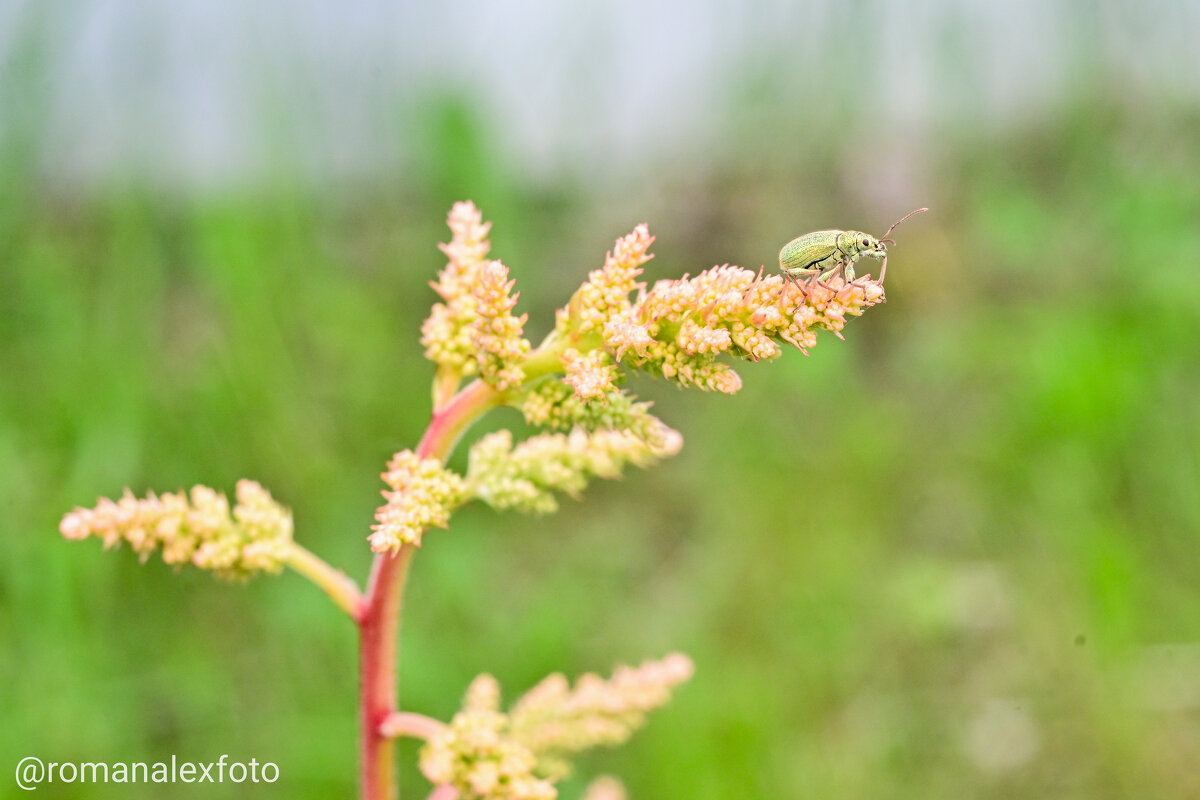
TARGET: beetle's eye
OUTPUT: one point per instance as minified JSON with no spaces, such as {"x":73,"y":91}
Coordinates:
{"x":866,"y":242}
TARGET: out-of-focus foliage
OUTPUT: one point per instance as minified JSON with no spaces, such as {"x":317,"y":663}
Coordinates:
{"x":988,"y":589}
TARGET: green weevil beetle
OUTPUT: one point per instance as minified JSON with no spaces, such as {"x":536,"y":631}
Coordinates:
{"x":821,"y":253}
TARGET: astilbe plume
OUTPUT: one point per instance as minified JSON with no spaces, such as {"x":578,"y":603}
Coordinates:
{"x":686,"y":330}
{"x":197,"y":527}
{"x":555,"y":718}
{"x":680,"y":327}
{"x":448,"y":334}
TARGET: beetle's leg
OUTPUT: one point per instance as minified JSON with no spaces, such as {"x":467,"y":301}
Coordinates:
{"x":841,"y":266}
{"x":793,"y":275}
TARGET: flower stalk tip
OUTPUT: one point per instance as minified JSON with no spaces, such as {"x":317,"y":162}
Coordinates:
{"x":499,"y":345}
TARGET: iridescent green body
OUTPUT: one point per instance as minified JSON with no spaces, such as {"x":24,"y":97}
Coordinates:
{"x":822,"y":253}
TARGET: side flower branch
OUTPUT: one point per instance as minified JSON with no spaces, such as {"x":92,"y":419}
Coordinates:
{"x":519,"y":755}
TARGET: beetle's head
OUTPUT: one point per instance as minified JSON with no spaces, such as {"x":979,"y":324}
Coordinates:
{"x":868,"y":246}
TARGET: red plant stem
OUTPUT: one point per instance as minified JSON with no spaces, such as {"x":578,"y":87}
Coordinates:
{"x":379,"y":623}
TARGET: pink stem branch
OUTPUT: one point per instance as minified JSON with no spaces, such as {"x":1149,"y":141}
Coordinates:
{"x":404,"y":723}
{"x":379,"y":623}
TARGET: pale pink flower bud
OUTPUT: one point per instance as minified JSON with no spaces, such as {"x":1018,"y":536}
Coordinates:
{"x":699,"y":339}
{"x":757,"y":345}
{"x":622,"y":334}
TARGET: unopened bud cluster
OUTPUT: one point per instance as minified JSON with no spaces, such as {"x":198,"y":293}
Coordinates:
{"x":497,"y":333}
{"x":474,"y":755}
{"x":552,"y":403}
{"x":526,"y":476}
{"x":422,"y":495}
{"x":591,"y":374}
{"x":485,"y":753}
{"x":197,"y":527}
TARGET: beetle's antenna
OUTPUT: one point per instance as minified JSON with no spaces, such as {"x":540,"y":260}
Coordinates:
{"x":906,"y":216}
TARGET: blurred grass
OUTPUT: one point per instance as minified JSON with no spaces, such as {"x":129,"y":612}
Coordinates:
{"x":936,"y":560}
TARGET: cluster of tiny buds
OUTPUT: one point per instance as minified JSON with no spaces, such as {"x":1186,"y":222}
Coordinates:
{"x":590,"y":374}
{"x":526,"y":476}
{"x":196,"y":528}
{"x":422,"y":494}
{"x":474,"y":755}
{"x":497,"y":332}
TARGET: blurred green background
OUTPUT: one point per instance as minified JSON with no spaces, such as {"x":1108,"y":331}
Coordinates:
{"x":953,"y":556}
